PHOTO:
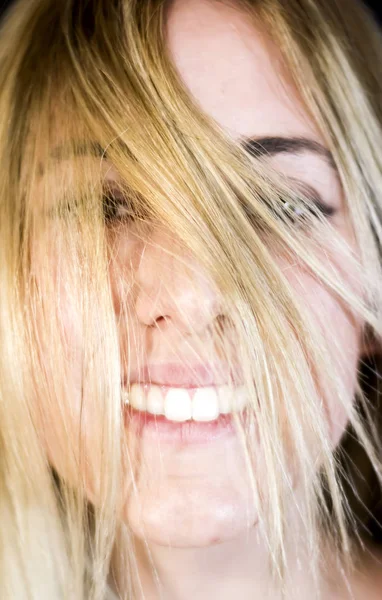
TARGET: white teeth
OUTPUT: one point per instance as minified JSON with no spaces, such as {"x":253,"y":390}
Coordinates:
{"x":240,"y":398}
{"x":205,"y":406}
{"x":180,"y":404}
{"x":225,"y":399}
{"x":137,"y":397}
{"x":177,"y":405}
{"x":155,"y":401}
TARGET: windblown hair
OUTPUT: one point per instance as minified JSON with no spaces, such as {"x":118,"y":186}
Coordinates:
{"x":83,"y":82}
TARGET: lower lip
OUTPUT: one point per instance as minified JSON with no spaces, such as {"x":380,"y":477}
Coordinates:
{"x":157,"y":427}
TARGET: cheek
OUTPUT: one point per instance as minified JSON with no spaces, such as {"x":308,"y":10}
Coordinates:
{"x":342,"y":334}
{"x":66,"y":419}
{"x":57,"y":403}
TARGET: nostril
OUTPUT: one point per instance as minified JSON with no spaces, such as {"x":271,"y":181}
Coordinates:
{"x":162,"y":320}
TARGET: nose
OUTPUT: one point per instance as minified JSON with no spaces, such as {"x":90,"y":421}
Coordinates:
{"x":171,"y":290}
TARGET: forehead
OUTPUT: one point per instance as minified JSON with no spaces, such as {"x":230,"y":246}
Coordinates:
{"x":234,"y":70}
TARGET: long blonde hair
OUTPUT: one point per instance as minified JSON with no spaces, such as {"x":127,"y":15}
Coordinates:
{"x":80,"y":78}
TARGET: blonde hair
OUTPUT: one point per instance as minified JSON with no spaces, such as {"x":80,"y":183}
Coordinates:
{"x":82,"y":78}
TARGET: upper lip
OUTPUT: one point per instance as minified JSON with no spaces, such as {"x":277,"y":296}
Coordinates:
{"x":177,"y":375}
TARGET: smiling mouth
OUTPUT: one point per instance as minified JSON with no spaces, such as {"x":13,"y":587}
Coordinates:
{"x":181,"y":404}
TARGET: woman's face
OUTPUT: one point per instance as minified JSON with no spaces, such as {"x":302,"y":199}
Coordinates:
{"x":196,"y":494}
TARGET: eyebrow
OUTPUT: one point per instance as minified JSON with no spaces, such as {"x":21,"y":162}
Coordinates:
{"x":78,"y":149}
{"x":270,"y":146}
{"x":257,"y":147}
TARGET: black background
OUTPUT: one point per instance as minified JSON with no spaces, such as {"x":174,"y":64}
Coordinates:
{"x":376,"y":6}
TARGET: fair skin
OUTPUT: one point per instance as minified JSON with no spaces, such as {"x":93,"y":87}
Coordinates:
{"x":231,"y":73}
{"x":192,"y":503}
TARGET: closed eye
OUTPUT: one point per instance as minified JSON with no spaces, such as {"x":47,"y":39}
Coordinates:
{"x":117,"y":206}
{"x":300,"y":212}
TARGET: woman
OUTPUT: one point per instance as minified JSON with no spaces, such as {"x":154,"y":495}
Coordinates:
{"x":190,"y":320}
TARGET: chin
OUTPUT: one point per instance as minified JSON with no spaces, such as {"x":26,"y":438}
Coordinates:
{"x":200,"y":518}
